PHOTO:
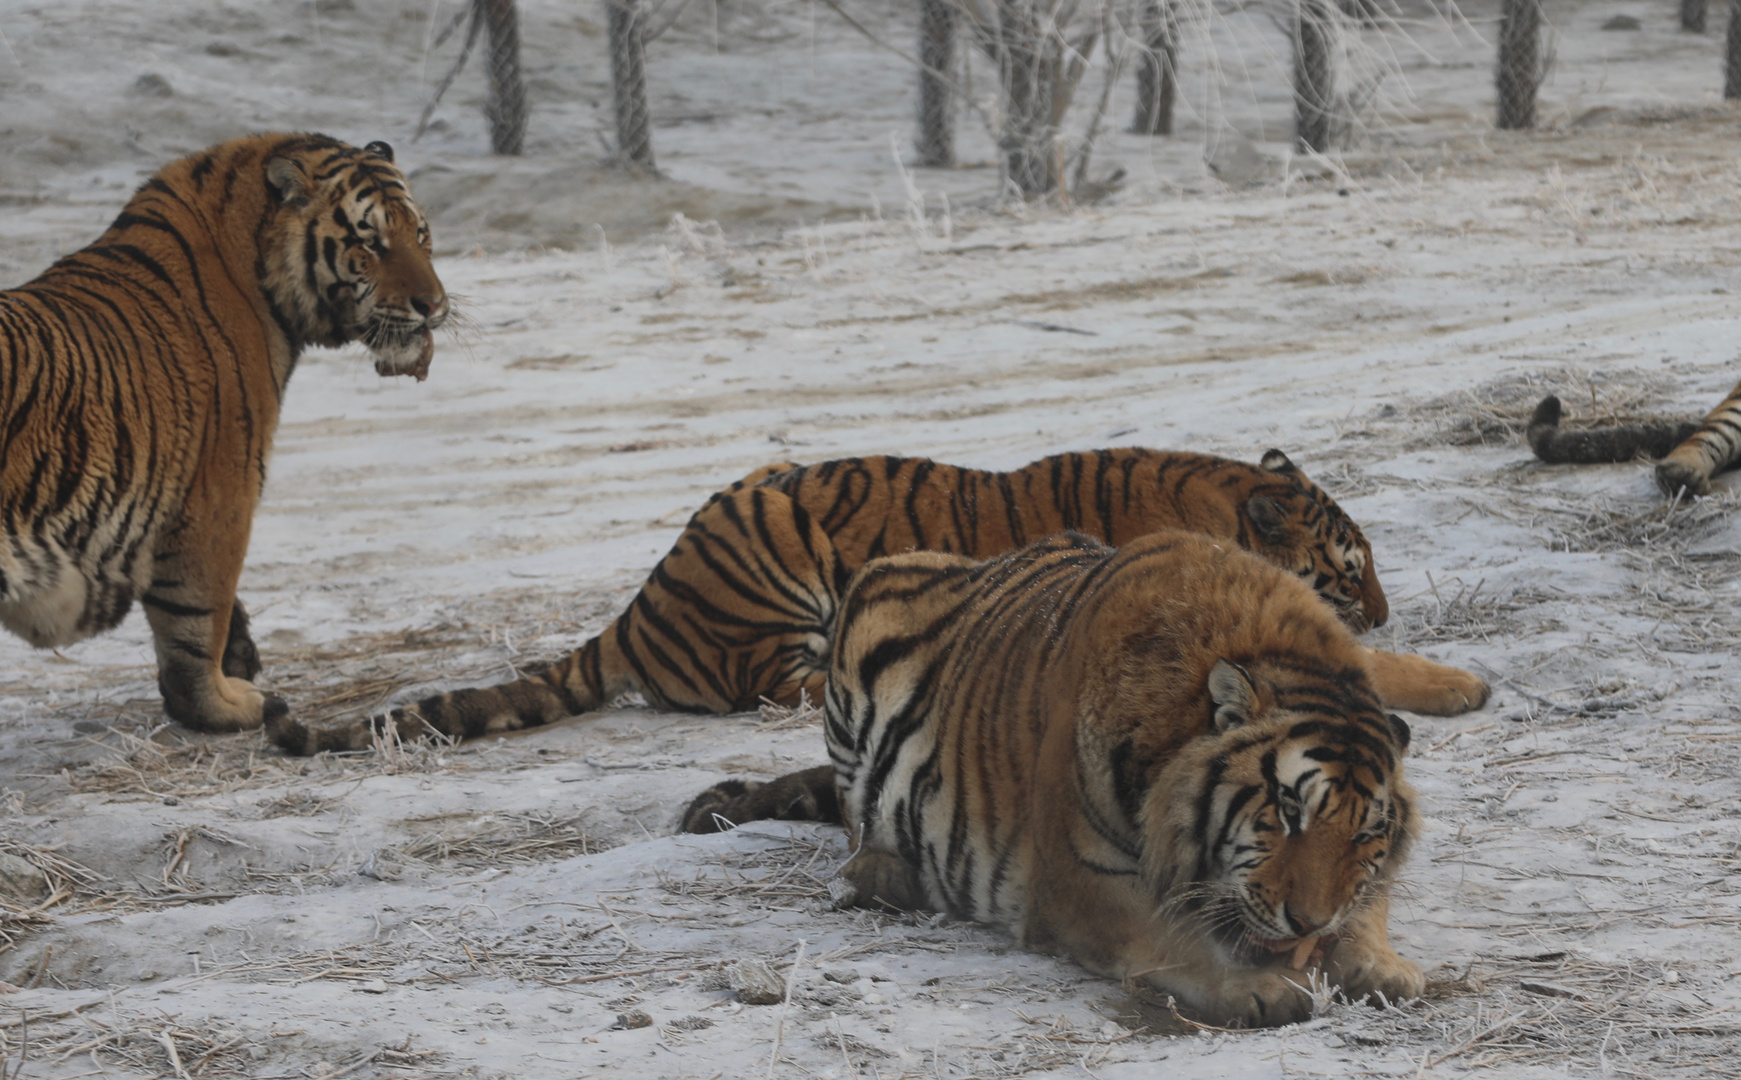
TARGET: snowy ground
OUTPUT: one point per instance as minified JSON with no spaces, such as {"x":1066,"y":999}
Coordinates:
{"x":505,"y":909}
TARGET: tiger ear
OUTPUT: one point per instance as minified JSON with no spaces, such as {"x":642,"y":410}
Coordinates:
{"x":1400,"y":729}
{"x":380,"y":150}
{"x":1269,"y":518}
{"x":293,"y":186}
{"x":1233,"y":695}
{"x":1276,"y":461}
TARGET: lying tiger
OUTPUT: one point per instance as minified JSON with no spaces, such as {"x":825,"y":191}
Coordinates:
{"x":1691,"y":452}
{"x":1166,"y":761}
{"x":743,"y":606}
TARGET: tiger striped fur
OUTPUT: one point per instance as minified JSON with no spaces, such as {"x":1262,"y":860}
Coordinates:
{"x":1165,"y":761}
{"x":743,"y":606}
{"x":140,"y":381}
{"x":1692,"y":453}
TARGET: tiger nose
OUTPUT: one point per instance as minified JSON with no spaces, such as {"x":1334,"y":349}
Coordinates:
{"x":1300,"y":926}
{"x":430,"y":307}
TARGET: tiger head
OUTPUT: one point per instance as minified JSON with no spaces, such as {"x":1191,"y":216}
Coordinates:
{"x":346,"y":253}
{"x":1292,"y":523}
{"x":1294,"y":816}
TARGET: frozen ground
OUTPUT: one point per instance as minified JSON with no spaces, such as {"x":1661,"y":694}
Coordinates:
{"x":494,"y":909}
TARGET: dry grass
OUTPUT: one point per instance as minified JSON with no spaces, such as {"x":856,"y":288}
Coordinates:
{"x":64,"y":879}
{"x":502,"y":839}
{"x":163,"y":1045}
{"x":1498,"y":412}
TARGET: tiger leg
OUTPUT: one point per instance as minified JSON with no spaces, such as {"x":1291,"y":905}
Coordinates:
{"x":877,"y":878}
{"x":241,"y":658}
{"x":1711,"y":449}
{"x":809,"y":795}
{"x":1364,"y":965}
{"x":190,"y":605}
{"x":1238,"y":997}
{"x":1404,"y":681}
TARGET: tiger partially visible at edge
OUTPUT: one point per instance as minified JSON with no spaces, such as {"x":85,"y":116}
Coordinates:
{"x":140,"y":383}
{"x":1691,"y":452}
{"x":743,"y":607}
{"x":1165,"y":761}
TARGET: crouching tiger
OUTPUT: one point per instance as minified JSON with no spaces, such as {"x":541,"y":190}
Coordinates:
{"x":743,"y":606}
{"x":1165,"y":761}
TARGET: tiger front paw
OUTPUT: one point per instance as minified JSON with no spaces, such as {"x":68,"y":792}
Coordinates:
{"x":1367,"y":971}
{"x":1452,"y":693}
{"x":1673,"y":476}
{"x":1246,"y":998}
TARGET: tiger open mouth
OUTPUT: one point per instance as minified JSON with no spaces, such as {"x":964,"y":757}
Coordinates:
{"x":400,"y":348}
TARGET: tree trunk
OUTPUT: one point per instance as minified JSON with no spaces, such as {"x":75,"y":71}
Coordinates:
{"x":1314,"y":86}
{"x":1732,"y":54}
{"x":1029,"y":71}
{"x":936,"y":139}
{"x":1519,"y":72}
{"x":1693,"y":15}
{"x":1157,"y":73}
{"x":626,"y":22}
{"x":506,"y":107}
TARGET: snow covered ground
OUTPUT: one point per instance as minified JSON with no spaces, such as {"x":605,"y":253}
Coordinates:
{"x":519,"y":908}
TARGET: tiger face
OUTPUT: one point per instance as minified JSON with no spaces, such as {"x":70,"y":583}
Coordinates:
{"x":1300,"y":528}
{"x":1305,"y":821}
{"x":352,"y":257}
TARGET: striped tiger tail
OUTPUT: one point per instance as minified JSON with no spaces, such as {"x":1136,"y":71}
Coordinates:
{"x":739,"y":609}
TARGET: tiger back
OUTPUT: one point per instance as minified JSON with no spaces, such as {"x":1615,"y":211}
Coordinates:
{"x":140,"y":382}
{"x":742,"y":608}
{"x":1165,"y":761}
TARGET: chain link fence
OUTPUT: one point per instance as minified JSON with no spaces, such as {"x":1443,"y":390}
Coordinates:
{"x":627,"y":32}
{"x":505,"y":108}
{"x":1157,"y":68}
{"x":935,"y":141}
{"x":1314,"y":74}
{"x":1732,"y":54}
{"x":1520,"y":69}
{"x":1693,"y":15}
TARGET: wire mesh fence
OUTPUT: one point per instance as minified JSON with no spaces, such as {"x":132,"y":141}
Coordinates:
{"x":935,"y":141}
{"x":1732,"y":54}
{"x":1519,"y":73}
{"x":1157,"y":68}
{"x":1693,"y":15}
{"x":627,"y":34}
{"x":506,"y":106}
{"x":1314,"y":77}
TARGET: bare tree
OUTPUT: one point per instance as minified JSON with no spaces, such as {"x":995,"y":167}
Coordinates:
{"x":1693,"y":14}
{"x":626,"y":22}
{"x":1038,"y":69}
{"x":936,"y":139}
{"x":1157,"y":73}
{"x":1519,"y":72}
{"x":1314,"y":75}
{"x":506,"y":106}
{"x":1732,"y":54}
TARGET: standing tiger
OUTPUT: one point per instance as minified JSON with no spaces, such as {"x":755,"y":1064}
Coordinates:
{"x":743,"y":606}
{"x":1691,"y":453}
{"x":140,"y":382}
{"x":1166,"y":761}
